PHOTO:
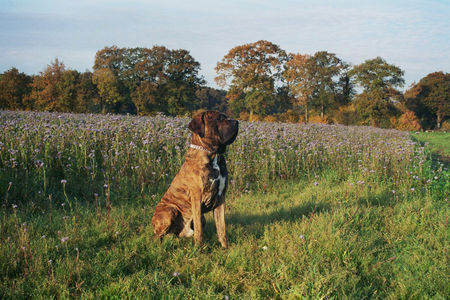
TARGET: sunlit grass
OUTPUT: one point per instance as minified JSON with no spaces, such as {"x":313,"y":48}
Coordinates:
{"x":438,"y":141}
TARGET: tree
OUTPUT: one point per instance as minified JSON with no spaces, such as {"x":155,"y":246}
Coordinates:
{"x":212,"y":99}
{"x":67,"y":90}
{"x":156,"y":79}
{"x":326,"y":73}
{"x":378,"y":79}
{"x":55,"y":88}
{"x":111,"y":76}
{"x":430,"y":99}
{"x":183,"y":81}
{"x":299,"y":80}
{"x":252,"y":71}
{"x":14,"y":87}
{"x":317,"y":81}
{"x":87,"y":98}
{"x":108,"y":86}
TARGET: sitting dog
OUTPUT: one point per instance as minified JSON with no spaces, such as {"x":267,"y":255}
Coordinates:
{"x":201,"y":183}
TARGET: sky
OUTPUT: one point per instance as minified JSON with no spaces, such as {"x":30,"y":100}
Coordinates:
{"x":411,"y":34}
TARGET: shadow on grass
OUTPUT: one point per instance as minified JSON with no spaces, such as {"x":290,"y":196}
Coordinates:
{"x":254,"y":223}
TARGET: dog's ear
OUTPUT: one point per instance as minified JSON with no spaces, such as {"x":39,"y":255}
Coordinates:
{"x":197,"y":124}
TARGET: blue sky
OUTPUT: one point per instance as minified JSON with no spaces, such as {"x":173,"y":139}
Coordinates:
{"x":414,"y":35}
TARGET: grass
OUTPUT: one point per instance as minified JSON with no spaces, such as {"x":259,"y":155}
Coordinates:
{"x":438,"y":143}
{"x":350,"y":221}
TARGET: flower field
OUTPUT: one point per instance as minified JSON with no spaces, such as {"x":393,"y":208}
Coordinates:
{"x":313,"y":210}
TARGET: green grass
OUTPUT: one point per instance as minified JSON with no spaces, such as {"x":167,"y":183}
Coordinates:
{"x":330,"y":238}
{"x":438,"y":142}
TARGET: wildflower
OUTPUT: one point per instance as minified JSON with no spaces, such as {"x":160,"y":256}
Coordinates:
{"x":63,"y":204}
{"x":265,"y":248}
{"x":14,"y":206}
{"x":393,"y":191}
{"x":413,"y":189}
{"x":316,"y":183}
{"x":176,"y":274}
{"x":64,"y":239}
{"x":63,"y":181}
{"x":302,"y":236}
{"x":50,"y":261}
{"x":43,"y":236}
{"x":105,"y":186}
{"x":39,"y":163}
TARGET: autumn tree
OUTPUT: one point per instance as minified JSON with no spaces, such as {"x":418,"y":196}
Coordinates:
{"x":252,"y":71}
{"x":54,"y":89}
{"x":430,"y":99}
{"x":14,"y":87}
{"x":378,"y":80}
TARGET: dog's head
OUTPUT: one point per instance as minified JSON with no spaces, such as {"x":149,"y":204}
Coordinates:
{"x":213,"y":130}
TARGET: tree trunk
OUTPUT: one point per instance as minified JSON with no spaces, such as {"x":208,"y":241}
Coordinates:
{"x":438,"y":121}
{"x":321,"y":111}
{"x":306,"y":113}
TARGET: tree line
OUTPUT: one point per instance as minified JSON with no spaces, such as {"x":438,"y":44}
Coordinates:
{"x":260,"y":81}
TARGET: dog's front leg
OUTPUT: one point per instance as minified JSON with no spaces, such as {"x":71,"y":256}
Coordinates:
{"x":219,"y":218}
{"x":197,"y":218}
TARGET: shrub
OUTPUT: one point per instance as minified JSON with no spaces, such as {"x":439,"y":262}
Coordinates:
{"x":407,"y":121}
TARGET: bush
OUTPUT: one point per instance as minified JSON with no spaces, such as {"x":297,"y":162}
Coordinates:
{"x":407,"y":121}
{"x":346,"y":115}
{"x":290,"y":116}
{"x":320,"y":120}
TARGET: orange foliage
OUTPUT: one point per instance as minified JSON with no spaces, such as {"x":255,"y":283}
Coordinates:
{"x":243,"y":115}
{"x":407,"y":121}
{"x":319,"y":120}
{"x":270,"y":118}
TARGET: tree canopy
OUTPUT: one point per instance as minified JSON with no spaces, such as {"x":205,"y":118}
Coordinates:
{"x":252,"y":71}
{"x":430,"y":99}
{"x":379,"y":80}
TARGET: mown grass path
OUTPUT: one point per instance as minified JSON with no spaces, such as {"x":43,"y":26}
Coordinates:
{"x":437,"y":142}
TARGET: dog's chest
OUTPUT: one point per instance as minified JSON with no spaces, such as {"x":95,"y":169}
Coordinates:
{"x":215,"y":182}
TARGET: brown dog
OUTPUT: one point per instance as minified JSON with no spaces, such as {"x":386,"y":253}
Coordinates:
{"x":201,"y":183}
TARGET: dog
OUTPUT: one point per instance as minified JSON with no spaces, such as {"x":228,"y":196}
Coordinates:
{"x":201,"y":183}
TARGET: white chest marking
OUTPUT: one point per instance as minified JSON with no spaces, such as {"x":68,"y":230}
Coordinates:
{"x":220,"y":177}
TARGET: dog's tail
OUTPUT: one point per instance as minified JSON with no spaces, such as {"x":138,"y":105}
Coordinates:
{"x":163,"y":218}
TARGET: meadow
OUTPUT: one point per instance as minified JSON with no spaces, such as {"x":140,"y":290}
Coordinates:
{"x":313,"y":211}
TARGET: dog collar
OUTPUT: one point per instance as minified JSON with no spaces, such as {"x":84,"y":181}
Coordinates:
{"x":199,"y":148}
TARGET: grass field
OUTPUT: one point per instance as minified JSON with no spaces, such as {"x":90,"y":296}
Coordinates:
{"x":313,"y":211}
